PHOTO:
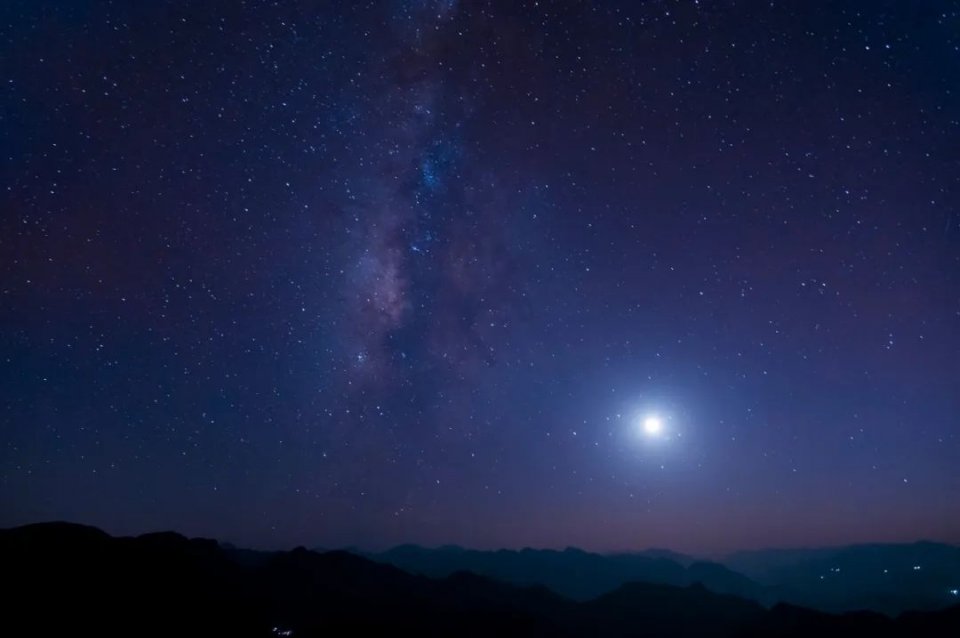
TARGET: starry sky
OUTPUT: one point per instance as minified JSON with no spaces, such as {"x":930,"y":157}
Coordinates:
{"x":366,"y":273}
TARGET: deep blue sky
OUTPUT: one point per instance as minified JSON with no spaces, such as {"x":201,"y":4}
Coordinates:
{"x":355,"y":273}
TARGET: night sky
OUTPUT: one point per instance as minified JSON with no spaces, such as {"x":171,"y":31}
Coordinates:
{"x":496,"y":273}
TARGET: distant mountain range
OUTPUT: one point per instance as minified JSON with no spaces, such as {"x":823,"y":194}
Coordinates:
{"x":573,"y":573}
{"x":890,"y":578}
{"x":885,"y":578}
{"x":70,"y":580}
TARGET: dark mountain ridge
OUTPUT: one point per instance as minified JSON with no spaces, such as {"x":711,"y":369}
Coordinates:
{"x":67,"y":579}
{"x":571,"y":572}
{"x":889,"y":579}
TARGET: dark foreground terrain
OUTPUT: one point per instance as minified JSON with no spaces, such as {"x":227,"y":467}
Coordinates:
{"x":71,"y":580}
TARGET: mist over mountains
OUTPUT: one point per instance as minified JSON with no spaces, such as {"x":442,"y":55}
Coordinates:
{"x":890,"y":578}
{"x":884,"y":578}
{"x":573,"y":572}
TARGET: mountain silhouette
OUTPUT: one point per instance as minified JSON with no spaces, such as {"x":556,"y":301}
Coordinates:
{"x":889,"y":579}
{"x":573,"y":573}
{"x":69,"y":580}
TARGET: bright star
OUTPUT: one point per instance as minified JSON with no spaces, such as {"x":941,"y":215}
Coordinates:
{"x":652,"y":425}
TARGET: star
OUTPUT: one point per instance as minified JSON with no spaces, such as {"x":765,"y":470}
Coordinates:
{"x":652,"y":425}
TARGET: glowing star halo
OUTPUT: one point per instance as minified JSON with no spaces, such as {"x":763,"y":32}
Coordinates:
{"x":652,"y":425}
